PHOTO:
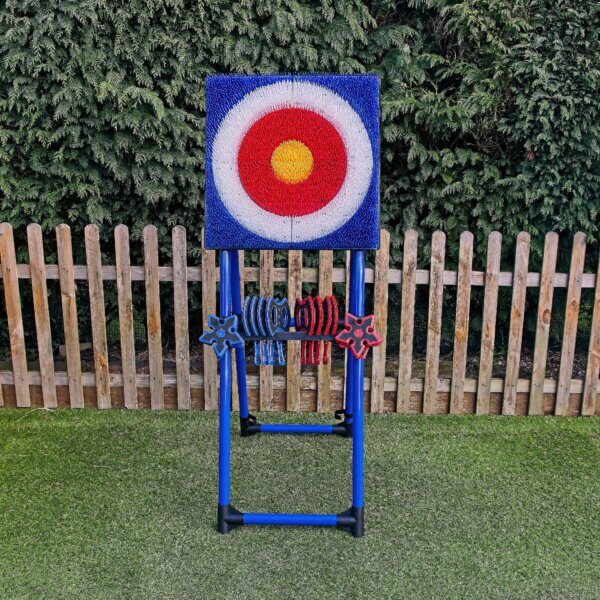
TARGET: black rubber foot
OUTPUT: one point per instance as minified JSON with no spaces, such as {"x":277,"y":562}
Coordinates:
{"x":228,"y":518}
{"x":353,"y":521}
{"x":249,"y":426}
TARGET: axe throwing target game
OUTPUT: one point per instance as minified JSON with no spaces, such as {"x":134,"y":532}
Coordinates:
{"x":292,"y":162}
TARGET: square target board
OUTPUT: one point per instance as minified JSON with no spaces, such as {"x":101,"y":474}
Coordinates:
{"x":292,"y":162}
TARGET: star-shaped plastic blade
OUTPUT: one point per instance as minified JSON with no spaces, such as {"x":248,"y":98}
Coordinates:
{"x":358,"y":335}
{"x":222,"y":334}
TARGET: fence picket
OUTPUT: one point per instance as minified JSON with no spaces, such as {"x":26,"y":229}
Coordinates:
{"x":97,"y":315}
{"x":570,"y":328}
{"x":209,"y":307}
{"x":407,"y":319}
{"x":293,"y":348}
{"x":380,"y":304}
{"x":461,"y":329}
{"x":517,"y":318}
{"x":324,"y":370}
{"x":180,"y":313}
{"x":125,"y":301}
{"x":69,"y":314}
{"x":14,"y":316}
{"x":434,"y":321}
{"x":41,"y":313}
{"x":267,"y":280}
{"x":153,"y":320}
{"x":591,"y":388}
{"x":488,"y":325}
{"x":542,"y":332}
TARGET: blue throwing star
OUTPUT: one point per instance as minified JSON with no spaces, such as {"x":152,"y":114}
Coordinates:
{"x":222,"y":334}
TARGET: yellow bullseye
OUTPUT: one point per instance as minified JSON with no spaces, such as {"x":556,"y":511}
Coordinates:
{"x":292,"y":161}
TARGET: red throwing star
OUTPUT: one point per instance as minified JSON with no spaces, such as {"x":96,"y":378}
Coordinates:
{"x":358,"y":334}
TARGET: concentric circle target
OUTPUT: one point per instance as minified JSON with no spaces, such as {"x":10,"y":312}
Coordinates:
{"x":292,"y":162}
{"x":292,"y":156}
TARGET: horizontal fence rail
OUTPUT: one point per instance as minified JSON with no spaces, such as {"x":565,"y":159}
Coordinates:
{"x":51,"y":384}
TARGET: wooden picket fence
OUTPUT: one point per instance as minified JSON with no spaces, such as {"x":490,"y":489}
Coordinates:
{"x":295,"y":388}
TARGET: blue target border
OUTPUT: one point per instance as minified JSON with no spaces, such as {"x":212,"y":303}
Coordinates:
{"x":361,"y":231}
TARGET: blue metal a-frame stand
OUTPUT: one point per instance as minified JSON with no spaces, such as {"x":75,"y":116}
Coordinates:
{"x":351,"y":520}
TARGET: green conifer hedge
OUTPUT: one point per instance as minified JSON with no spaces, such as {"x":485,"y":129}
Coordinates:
{"x":490,"y":108}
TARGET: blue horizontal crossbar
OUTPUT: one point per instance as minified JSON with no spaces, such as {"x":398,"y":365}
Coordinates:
{"x":294,"y":428}
{"x":322,"y":520}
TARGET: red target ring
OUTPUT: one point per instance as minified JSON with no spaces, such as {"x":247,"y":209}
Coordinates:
{"x":328,"y":154}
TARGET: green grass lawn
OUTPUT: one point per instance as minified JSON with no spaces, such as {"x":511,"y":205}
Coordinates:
{"x":122,"y":505}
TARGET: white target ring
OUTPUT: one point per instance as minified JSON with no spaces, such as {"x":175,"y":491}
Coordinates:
{"x":256,"y":105}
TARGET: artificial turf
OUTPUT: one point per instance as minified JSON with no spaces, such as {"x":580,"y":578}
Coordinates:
{"x":122,"y":504}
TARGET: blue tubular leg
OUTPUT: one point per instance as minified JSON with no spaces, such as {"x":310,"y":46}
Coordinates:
{"x":344,"y":520}
{"x":348,"y":408}
{"x":357,"y":368}
{"x":240,"y":361}
{"x":289,"y":519}
{"x":293,"y":428}
{"x":224,"y":403}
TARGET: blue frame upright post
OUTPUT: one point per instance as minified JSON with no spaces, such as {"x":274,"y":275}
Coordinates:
{"x":240,"y":358}
{"x":348,"y":408}
{"x":355,"y":393}
{"x":225,"y":402}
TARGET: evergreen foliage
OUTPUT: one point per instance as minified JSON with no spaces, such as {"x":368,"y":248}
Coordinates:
{"x":490,"y":107}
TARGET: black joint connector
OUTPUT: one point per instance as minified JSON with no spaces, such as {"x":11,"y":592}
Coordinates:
{"x":344,"y":428}
{"x":352,"y":521}
{"x":228,"y":518}
{"x":249,"y":426}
